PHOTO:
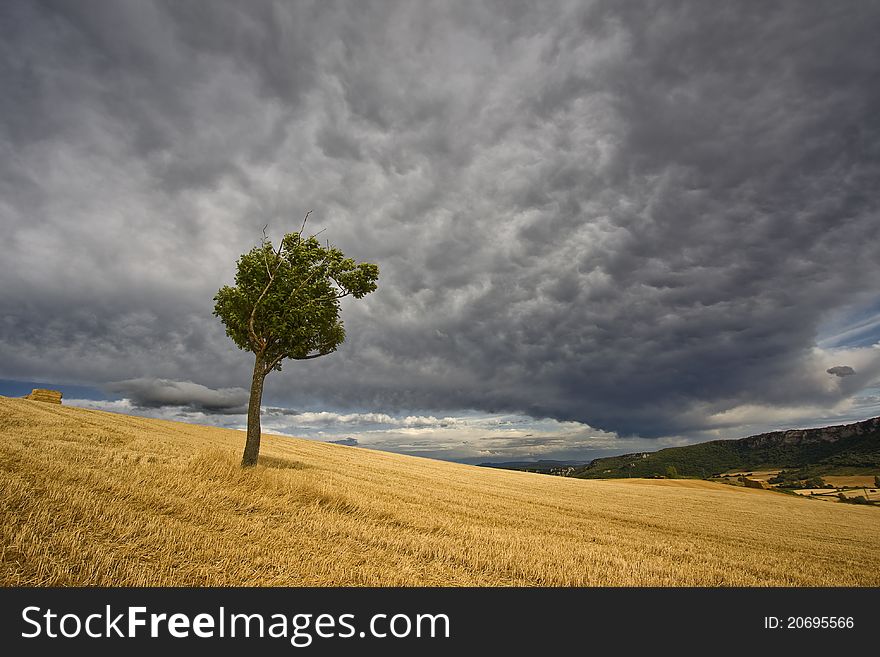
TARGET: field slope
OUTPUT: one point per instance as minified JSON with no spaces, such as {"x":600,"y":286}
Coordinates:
{"x":93,"y":498}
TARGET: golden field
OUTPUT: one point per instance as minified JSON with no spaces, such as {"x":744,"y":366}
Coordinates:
{"x":94,"y":498}
{"x":864,"y":481}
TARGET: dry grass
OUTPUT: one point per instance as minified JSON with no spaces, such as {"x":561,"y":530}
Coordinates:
{"x":831,"y":494}
{"x":93,"y":498}
{"x":839,"y":481}
{"x":872,"y":494}
{"x":756,"y":475}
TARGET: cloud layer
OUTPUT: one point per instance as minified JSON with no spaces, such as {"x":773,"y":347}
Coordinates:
{"x":156,"y":393}
{"x":634,"y":217}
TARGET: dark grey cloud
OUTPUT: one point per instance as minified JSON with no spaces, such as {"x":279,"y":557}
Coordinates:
{"x":350,"y":442}
{"x":157,"y":393}
{"x":633,"y":216}
{"x":841,"y":370}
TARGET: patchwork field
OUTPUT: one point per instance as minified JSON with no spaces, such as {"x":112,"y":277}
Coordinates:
{"x":94,"y":498}
{"x":831,"y":494}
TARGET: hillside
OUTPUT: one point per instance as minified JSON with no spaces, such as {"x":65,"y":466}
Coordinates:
{"x":842,"y":449}
{"x":94,"y":498}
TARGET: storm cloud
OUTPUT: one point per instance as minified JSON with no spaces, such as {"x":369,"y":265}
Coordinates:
{"x":635,"y":216}
{"x":349,"y":442}
{"x":156,"y":393}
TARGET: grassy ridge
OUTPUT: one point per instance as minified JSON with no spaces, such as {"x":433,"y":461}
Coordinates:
{"x":795,"y":450}
{"x":93,"y":498}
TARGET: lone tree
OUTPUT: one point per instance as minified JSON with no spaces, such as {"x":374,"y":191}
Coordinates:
{"x":285,"y":304}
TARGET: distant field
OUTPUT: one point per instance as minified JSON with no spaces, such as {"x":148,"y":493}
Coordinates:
{"x":93,"y":498}
{"x":757,"y":475}
{"x":826,"y":495}
{"x":849,"y":480}
{"x":830,"y":494}
{"x":692,"y":484}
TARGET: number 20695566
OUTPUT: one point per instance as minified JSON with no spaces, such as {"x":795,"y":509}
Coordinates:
{"x":809,"y":622}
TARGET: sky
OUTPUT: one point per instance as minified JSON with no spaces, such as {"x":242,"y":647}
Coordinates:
{"x":601,"y":227}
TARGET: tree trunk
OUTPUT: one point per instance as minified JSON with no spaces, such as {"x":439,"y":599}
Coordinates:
{"x":252,"y":446}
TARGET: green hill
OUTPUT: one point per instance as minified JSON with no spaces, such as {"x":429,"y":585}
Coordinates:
{"x":842,"y":449}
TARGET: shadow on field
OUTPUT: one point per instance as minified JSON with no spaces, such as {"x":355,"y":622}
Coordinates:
{"x":282,"y":464}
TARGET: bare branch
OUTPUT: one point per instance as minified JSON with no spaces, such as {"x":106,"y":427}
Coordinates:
{"x":277,"y":251}
{"x":311,"y":356}
{"x":330,"y":298}
{"x":306,"y":218}
{"x":278,"y":359}
{"x":262,"y":344}
{"x":265,"y":259}
{"x":258,"y":343}
{"x":252,"y":334}
{"x":300,"y":286}
{"x":275,"y":361}
{"x":308,"y":278}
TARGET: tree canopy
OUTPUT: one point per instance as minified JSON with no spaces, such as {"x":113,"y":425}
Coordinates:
{"x":285,"y":302}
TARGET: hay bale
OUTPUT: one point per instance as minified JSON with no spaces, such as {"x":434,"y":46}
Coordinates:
{"x":754,"y":483}
{"x":44,"y":395}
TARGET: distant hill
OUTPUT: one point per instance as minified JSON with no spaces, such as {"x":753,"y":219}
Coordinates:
{"x":842,"y":449}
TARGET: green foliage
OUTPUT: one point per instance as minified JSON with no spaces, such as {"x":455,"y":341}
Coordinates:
{"x":702,"y":460}
{"x":671,"y":472}
{"x":800,"y":478}
{"x":857,"y":499}
{"x":285,"y":301}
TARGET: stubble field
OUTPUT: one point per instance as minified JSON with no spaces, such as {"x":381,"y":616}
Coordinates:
{"x":94,"y":498}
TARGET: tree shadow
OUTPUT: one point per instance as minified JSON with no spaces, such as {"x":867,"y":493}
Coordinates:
{"x":277,"y":463}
